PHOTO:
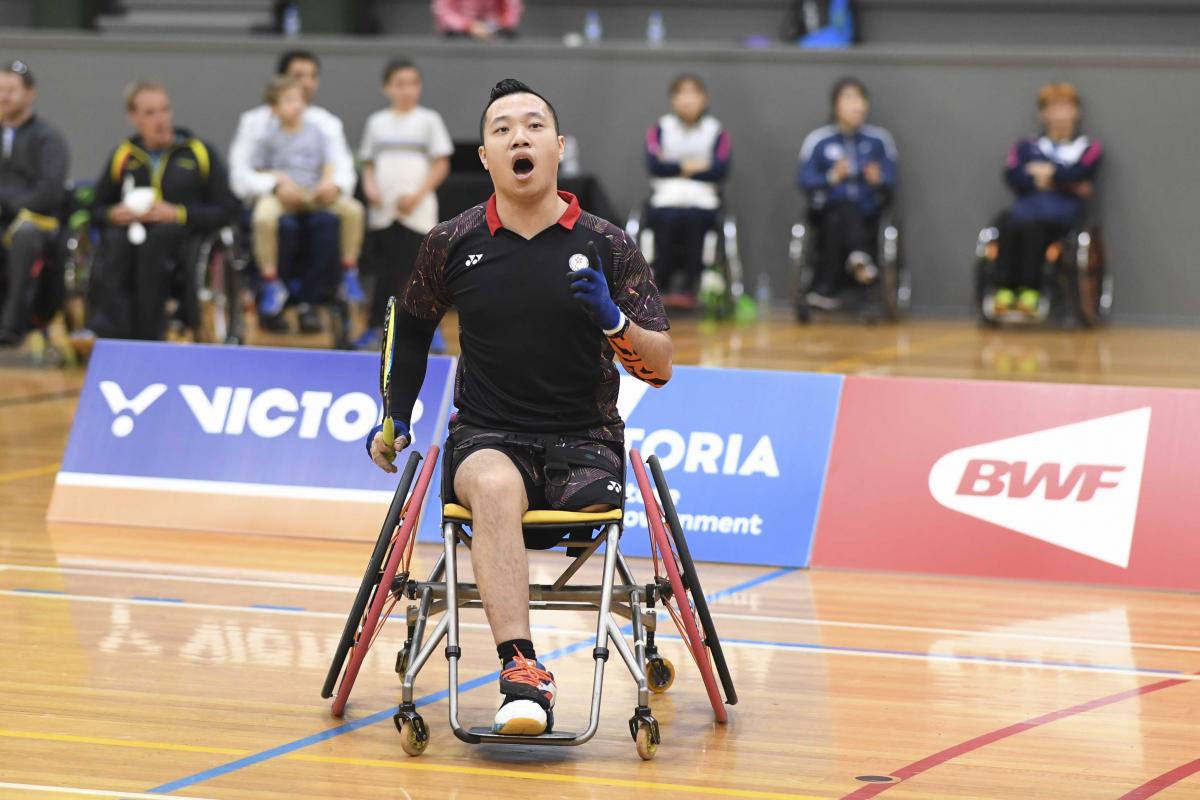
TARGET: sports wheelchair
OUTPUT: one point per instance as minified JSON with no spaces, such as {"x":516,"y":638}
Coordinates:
{"x":722,"y":292}
{"x":676,"y":587}
{"x":888,"y":297}
{"x":1076,"y":280}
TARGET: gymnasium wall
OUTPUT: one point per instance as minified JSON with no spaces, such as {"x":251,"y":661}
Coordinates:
{"x":954,"y":110}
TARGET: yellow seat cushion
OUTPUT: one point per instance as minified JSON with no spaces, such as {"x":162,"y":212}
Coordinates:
{"x":453,"y":512}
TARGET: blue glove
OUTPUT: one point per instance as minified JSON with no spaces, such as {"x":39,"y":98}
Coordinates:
{"x":401,"y":428}
{"x":351,"y":289}
{"x":591,"y":289}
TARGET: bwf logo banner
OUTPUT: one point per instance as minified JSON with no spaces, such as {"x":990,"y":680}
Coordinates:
{"x":1074,"y":486}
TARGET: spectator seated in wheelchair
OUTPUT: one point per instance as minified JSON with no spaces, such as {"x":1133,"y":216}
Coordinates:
{"x":687,"y":154}
{"x":33,"y":172}
{"x":847,"y":170}
{"x":311,"y":262}
{"x":162,"y":192}
{"x":1052,"y":176}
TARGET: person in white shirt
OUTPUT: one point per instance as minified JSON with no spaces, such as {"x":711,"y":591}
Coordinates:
{"x":405,"y":155}
{"x":687,"y":155}
{"x":316,"y":279}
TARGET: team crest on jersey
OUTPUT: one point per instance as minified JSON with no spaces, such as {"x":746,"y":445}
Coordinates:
{"x":578,"y":261}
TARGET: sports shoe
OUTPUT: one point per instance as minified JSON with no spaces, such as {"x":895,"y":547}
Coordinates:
{"x":351,"y":289}
{"x":1028,"y":301}
{"x":272,"y":298}
{"x":310,"y":320}
{"x":370,"y":340}
{"x":528,"y":707}
{"x":822,"y":301}
{"x":862,"y":267}
{"x":1003,"y":300}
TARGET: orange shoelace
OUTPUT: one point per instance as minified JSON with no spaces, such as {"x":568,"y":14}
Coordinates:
{"x":527,"y":671}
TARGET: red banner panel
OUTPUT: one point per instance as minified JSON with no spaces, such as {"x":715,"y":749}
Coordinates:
{"x":1091,"y":484}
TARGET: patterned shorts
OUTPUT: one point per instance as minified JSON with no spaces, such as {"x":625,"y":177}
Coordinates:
{"x":561,"y":472}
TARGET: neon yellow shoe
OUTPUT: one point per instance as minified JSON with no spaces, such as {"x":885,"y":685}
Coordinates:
{"x":1003,"y":300}
{"x":1028,"y":300}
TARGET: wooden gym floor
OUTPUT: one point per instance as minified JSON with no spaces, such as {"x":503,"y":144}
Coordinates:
{"x":138,"y":663}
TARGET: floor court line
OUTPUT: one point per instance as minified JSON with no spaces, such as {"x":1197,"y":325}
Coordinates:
{"x":33,"y":787}
{"x":950,"y":753}
{"x":387,"y":713}
{"x":32,"y":472}
{"x":1164,"y":781}
{"x":716,"y":614}
{"x":165,"y":602}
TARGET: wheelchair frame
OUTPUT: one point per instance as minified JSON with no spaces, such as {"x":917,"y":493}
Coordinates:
{"x":1077,"y":283}
{"x":678,"y":590}
{"x":722,"y":290}
{"x":894,"y":284}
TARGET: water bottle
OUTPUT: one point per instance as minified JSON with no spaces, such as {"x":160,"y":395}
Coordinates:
{"x":592,"y":29}
{"x":762,"y":290}
{"x":654,"y":29}
{"x":291,"y":20}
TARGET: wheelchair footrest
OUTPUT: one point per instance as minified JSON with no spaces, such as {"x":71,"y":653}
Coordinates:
{"x":486,"y":736}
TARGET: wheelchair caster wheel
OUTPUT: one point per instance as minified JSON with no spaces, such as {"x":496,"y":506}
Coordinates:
{"x":414,"y":736}
{"x":645,"y":741}
{"x":660,"y":674}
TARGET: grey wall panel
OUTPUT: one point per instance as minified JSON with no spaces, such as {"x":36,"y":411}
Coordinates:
{"x":954,"y":113}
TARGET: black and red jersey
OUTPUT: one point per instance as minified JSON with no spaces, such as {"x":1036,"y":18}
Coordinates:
{"x":532,"y":360}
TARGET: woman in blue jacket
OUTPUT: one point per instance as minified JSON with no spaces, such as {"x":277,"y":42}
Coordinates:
{"x":1052,"y":175}
{"x":848,"y":170}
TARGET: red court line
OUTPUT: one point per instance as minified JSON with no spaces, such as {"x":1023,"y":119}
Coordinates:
{"x":1156,"y":785}
{"x":927,"y":763}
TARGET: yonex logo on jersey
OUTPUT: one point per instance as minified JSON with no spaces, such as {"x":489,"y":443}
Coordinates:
{"x":472,"y":260}
{"x":578,"y":261}
{"x":1076,"y":486}
{"x":613,"y":486}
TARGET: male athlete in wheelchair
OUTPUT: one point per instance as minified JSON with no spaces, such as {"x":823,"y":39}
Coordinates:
{"x":1040,"y":259}
{"x":546,"y":294}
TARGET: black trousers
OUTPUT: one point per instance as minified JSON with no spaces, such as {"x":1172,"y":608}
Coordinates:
{"x":679,"y":245}
{"x":390,"y":255}
{"x":130,"y":283}
{"x":1023,"y":246}
{"x":25,"y":265}
{"x":843,"y":228}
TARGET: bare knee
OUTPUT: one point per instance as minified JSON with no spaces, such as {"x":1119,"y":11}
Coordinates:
{"x":487,"y":481}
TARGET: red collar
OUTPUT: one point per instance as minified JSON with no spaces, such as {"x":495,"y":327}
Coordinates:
{"x":567,"y":220}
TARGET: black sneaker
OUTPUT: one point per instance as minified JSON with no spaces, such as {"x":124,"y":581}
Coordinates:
{"x":310,"y":320}
{"x":528,"y":707}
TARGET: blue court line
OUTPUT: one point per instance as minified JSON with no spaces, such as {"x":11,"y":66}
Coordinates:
{"x":939,"y":656}
{"x":38,"y":591}
{"x":272,"y":607}
{"x":151,"y":599}
{"x":387,"y":713}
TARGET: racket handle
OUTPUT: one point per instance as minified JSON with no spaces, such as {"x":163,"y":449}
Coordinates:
{"x":389,"y":434}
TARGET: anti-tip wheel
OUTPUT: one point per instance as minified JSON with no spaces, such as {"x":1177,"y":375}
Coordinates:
{"x":660,"y":674}
{"x":646,"y":746}
{"x":411,"y":742}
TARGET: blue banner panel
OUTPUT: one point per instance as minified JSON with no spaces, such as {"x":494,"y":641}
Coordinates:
{"x":744,"y":452}
{"x":250,"y":417}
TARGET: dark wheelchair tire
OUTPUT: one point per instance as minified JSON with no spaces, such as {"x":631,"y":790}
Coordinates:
{"x":692,"y":581}
{"x":375,"y":617}
{"x":370,"y":581}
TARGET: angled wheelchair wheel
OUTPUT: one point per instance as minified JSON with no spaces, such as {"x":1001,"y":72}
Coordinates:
{"x":686,"y":604}
{"x":391,"y":556}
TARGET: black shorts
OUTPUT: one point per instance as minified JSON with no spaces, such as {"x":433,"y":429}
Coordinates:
{"x":561,"y":472}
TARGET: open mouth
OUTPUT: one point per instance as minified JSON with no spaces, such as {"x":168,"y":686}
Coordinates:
{"x":522,"y":166}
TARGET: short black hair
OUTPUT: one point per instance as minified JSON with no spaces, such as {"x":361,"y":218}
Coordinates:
{"x":513,"y":86}
{"x":20,"y":68}
{"x":687,"y":77}
{"x":841,"y":85}
{"x":395,"y":65}
{"x":285,"y":60}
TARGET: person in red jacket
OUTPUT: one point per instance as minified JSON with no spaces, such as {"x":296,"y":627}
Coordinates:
{"x":479,"y":19}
